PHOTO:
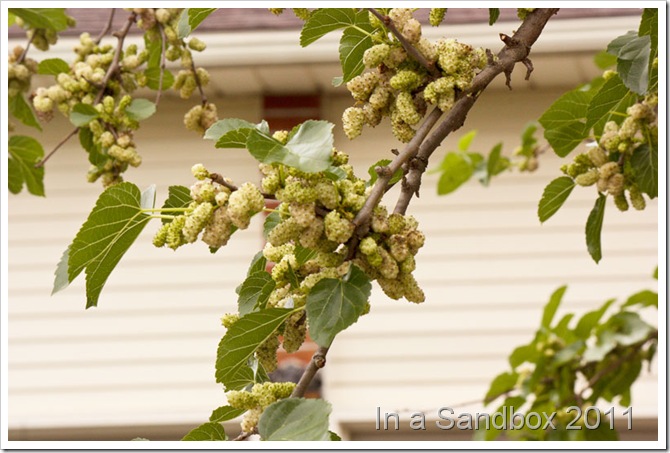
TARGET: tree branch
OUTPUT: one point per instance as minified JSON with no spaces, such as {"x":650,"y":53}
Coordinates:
{"x":56,"y":148}
{"x":516,"y":50}
{"x":318,"y":361}
{"x":108,"y":27}
{"x":114,"y":66}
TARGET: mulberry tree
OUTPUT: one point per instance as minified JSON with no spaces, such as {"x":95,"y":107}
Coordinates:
{"x":330,"y":233}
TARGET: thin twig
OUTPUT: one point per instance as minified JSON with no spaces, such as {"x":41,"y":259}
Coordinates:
{"x":162,"y":66}
{"x":114,"y":66}
{"x":198,"y":83}
{"x":409,"y":48}
{"x":108,"y":27}
{"x":53,"y":151}
{"x":25,"y":51}
{"x":318,"y":361}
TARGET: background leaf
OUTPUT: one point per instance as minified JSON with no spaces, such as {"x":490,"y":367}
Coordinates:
{"x":243,"y":338}
{"x":140,"y":109}
{"x":335,"y":304}
{"x":24,"y":152}
{"x":52,"y":66}
{"x":502,"y":383}
{"x":153,"y":78}
{"x":494,"y":14}
{"x":645,"y":163}
{"x":207,"y":431}
{"x":255,"y":291}
{"x":19,"y":109}
{"x":590,"y":320}
{"x":594,"y":226}
{"x":225,"y":413}
{"x":295,"y":419}
{"x":563,"y":122}
{"x":46,"y":18}
{"x":111,"y":228}
{"x":308,"y":148}
{"x":644,"y":298}
{"x":324,"y":21}
{"x":82,"y":114}
{"x":178,"y":197}
{"x":353,"y":44}
{"x":551,"y":307}
{"x":553,"y":197}
{"x":456,"y":170}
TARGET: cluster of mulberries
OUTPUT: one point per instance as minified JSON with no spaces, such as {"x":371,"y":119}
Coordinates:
{"x":19,"y":73}
{"x":42,"y":38}
{"x":603,"y":165}
{"x":200,"y":118}
{"x":400,"y":88}
{"x":215,"y":211}
{"x":257,"y":399}
{"x":387,"y":254}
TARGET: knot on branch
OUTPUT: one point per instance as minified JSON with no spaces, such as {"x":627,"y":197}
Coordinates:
{"x":383,"y":171}
{"x":319,"y":360}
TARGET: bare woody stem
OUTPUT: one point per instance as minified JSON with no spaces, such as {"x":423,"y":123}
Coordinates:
{"x":516,"y":50}
{"x":114,"y":66}
{"x":318,"y":361}
{"x":203,"y":98}
{"x":108,"y":27}
{"x":56,"y":148}
{"x":162,"y":66}
{"x":25,"y":51}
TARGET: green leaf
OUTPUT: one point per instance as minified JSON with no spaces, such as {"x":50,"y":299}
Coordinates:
{"x":258,"y":263}
{"x":335,"y":304}
{"x":178,"y":197}
{"x":495,"y":164}
{"x":19,"y":109}
{"x":608,"y":104}
{"x":594,"y":225}
{"x":501,"y":384}
{"x":243,"y":338}
{"x":645,"y":298}
{"x":456,"y":169}
{"x":633,"y":64}
{"x":308,"y":148}
{"x":52,"y":66}
{"x":233,"y":132}
{"x":562,"y":328}
{"x":645,"y":163}
{"x":553,"y":197}
{"x":87,"y":141}
{"x":140,"y":109}
{"x":568,"y":353}
{"x":82,"y":114}
{"x":295,"y":419}
{"x":334,"y":436}
{"x":24,"y":153}
{"x":494,"y":14}
{"x":655,"y":274}
{"x":465,"y":141}
{"x":353,"y":44}
{"x":255,"y":291}
{"x":46,"y":18}
{"x":154,"y":48}
{"x":324,"y":21}
{"x":190,"y":19}
{"x":206,"y":432}
{"x":563,"y":121}
{"x":153,"y":76}
{"x":11,"y":19}
{"x":303,"y":254}
{"x":590,"y":320}
{"x":271,"y":221}
{"x":619,"y":42}
{"x":521,"y":354}
{"x":397,"y":176}
{"x":225,"y":413}
{"x":552,"y":306}
{"x":604,"y":60}
{"x":628,"y":328}
{"x":111,"y":228}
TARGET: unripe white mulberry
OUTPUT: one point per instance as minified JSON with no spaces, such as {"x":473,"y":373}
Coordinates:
{"x":375,"y":55}
{"x":337,"y":228}
{"x":353,"y":119}
{"x":406,"y":80}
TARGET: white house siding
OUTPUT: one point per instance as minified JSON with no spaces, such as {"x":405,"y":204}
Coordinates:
{"x":146,"y":354}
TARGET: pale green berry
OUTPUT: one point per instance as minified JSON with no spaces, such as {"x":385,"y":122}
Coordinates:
{"x":406,"y":108}
{"x":636,"y":198}
{"x":597,"y":156}
{"x":436,"y":16}
{"x":337,"y":228}
{"x":267,"y":353}
{"x":199,"y":172}
{"x":621,"y":202}
{"x":196,"y":44}
{"x":374,"y":56}
{"x":196,"y":221}
{"x":161,"y":235}
{"x":353,"y":119}
{"x":589,"y":178}
{"x":406,"y":80}
{"x":229,"y":319}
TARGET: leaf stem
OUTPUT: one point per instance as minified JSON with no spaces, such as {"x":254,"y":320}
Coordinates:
{"x":166,"y":209}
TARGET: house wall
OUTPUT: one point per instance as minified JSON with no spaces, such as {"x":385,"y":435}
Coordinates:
{"x":145,"y":356}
